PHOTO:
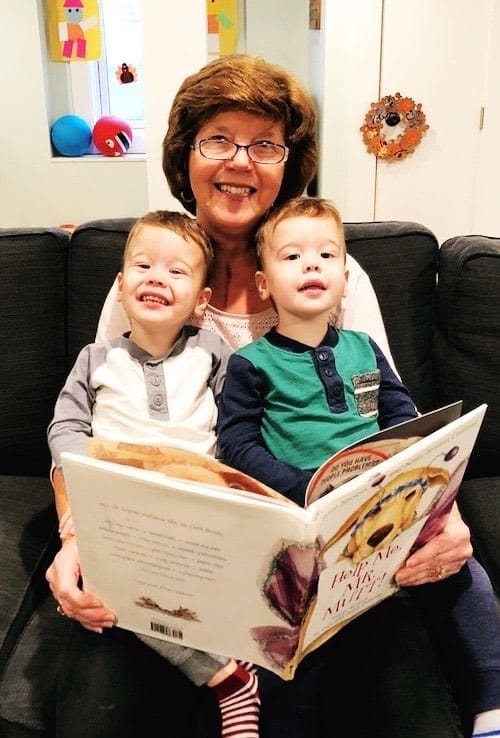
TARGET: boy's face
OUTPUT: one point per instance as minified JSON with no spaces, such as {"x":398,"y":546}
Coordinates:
{"x":162,"y":279}
{"x":304,"y":267}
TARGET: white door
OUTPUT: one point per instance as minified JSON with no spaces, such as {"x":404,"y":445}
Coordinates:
{"x":486,"y":216}
{"x":435,"y":51}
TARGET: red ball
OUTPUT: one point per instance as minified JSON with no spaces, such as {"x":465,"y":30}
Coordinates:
{"x":112,"y":136}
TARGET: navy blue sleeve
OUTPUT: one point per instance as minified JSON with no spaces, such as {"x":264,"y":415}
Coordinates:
{"x":394,"y":403}
{"x":239,"y":432}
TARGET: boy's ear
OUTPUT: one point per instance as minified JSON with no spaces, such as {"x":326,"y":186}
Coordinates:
{"x":204,"y":296}
{"x":261,"y":282}
{"x":119,"y":279}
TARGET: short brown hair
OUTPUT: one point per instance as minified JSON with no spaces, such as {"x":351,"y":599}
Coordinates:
{"x":311,"y":207}
{"x":184,"y":226}
{"x":251,"y":84}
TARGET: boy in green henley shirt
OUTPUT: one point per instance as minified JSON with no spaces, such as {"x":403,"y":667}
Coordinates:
{"x":305,"y":390}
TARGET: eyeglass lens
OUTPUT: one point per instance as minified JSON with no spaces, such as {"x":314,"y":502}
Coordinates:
{"x":261,"y":153}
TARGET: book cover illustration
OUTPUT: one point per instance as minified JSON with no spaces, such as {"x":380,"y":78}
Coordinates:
{"x":353,"y":569}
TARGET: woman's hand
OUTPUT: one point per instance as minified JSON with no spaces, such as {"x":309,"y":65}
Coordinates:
{"x":443,"y":555}
{"x":63,"y":576}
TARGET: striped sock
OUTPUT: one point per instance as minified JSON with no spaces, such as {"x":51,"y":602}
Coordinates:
{"x":248,"y":666}
{"x":239,"y":702}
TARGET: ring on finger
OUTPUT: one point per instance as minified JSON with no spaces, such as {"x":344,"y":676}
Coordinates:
{"x":437,"y":571}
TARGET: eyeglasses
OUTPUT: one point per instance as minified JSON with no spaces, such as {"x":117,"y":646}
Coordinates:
{"x":262,"y":152}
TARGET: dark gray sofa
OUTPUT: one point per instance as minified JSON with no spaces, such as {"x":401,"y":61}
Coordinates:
{"x":442,"y":312}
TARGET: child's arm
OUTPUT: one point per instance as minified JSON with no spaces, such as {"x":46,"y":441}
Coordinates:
{"x":71,"y":425}
{"x":69,"y":430}
{"x":66,"y":529}
{"x":60,"y":494}
{"x":239,"y":433}
{"x":394,"y":402}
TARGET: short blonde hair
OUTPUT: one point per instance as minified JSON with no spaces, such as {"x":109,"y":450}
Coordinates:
{"x":253,"y":85}
{"x":310,"y":207}
{"x":182,"y":224}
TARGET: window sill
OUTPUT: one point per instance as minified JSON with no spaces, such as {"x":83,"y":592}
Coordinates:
{"x":98,"y":158}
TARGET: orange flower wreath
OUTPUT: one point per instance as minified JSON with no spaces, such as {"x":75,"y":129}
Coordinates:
{"x":391,"y":111}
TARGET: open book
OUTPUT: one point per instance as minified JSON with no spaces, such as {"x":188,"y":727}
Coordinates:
{"x":219,"y":562}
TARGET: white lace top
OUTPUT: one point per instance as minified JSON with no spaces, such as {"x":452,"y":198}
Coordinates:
{"x":237,"y":330}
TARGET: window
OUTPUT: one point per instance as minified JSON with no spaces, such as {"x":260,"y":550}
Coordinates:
{"x":113,"y":85}
{"x":120,"y":71}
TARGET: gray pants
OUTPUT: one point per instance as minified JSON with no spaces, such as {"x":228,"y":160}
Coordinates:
{"x":198,"y":666}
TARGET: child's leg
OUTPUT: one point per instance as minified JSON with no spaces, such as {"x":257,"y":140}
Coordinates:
{"x":461,"y":613}
{"x":237,"y":692}
{"x":234,"y":685}
{"x":198,"y":666}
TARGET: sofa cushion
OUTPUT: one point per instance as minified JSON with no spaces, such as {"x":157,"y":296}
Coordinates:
{"x":467,"y":337}
{"x":27,"y":545}
{"x":94,"y":261}
{"x":401,"y":259}
{"x":32,"y":337}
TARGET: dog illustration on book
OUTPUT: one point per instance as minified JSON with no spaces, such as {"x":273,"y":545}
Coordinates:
{"x":390,"y":511}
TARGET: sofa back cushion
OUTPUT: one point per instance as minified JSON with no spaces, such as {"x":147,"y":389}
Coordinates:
{"x":467,"y":337}
{"x":401,"y":260}
{"x":33,"y":341}
{"x":94,"y":261}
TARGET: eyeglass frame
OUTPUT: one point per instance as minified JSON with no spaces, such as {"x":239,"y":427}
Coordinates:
{"x":196,"y":146}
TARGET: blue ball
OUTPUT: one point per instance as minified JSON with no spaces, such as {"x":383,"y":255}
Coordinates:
{"x":71,"y":135}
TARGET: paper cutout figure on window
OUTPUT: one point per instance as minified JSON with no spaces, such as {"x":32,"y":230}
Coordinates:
{"x":126,"y":73}
{"x":222,"y":22}
{"x":73,"y":29}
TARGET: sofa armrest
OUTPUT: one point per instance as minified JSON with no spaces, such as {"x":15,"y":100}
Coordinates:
{"x":466,"y":345}
{"x":33,"y":340}
{"x":479,"y":503}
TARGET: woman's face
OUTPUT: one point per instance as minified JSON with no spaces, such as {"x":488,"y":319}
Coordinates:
{"x":232,"y":195}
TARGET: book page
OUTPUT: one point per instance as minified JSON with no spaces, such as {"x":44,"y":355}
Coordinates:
{"x":180,"y":560}
{"x":180,"y":463}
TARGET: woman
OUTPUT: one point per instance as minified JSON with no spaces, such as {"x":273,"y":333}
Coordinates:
{"x":241,"y":139}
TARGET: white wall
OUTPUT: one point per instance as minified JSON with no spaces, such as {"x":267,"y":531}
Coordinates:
{"x":350,"y":78}
{"x":175,"y":46}
{"x":437,"y":184}
{"x":279,"y":31}
{"x":435,"y":51}
{"x":37,"y":190}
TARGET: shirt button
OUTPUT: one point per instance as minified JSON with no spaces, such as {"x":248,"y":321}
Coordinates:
{"x":155,"y":381}
{"x":337,"y":391}
{"x":329,"y":372}
{"x":158,"y":400}
{"x":322,"y":356}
